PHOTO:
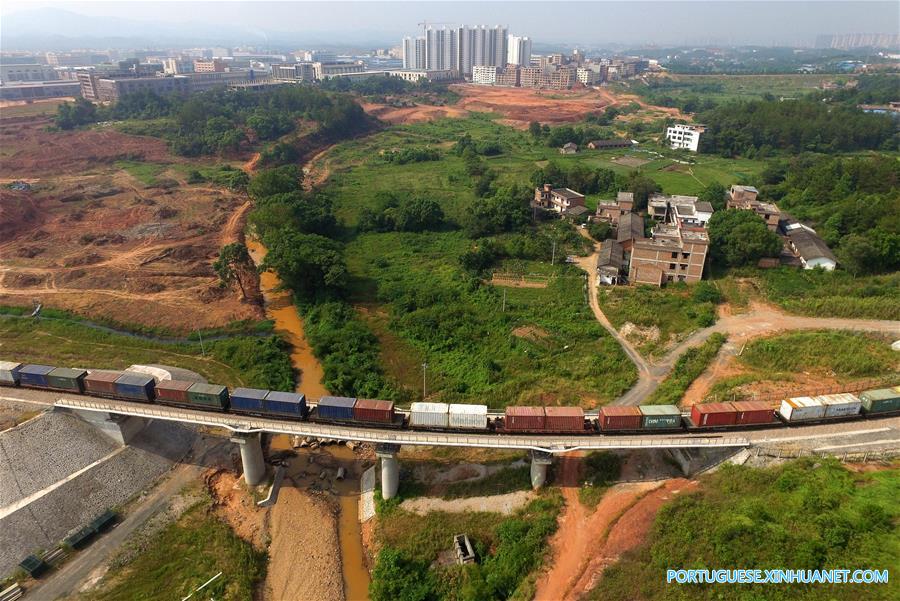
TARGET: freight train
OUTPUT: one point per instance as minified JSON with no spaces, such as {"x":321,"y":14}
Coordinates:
{"x":139,"y":387}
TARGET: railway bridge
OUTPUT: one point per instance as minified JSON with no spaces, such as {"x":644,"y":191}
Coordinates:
{"x":245,"y":431}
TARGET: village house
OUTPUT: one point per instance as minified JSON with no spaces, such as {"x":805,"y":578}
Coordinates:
{"x":612,"y":210}
{"x":569,"y":148}
{"x":559,"y":200}
{"x":688,"y":211}
{"x":610,"y":262}
{"x":630,"y":229}
{"x":614,"y":143}
{"x":745,"y":197}
{"x":807,"y":245}
{"x":673,"y":254}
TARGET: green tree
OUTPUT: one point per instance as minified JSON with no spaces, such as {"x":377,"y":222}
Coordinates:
{"x":714,"y":194}
{"x":534,"y":128}
{"x":642,"y":187}
{"x":599,"y":230}
{"x":278,"y":180}
{"x":311,"y":265}
{"x":740,"y":237}
{"x":70,"y":115}
{"x":233,"y":265}
{"x":398,"y":578}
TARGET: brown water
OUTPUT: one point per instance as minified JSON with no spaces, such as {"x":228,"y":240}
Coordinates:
{"x":281,"y":310}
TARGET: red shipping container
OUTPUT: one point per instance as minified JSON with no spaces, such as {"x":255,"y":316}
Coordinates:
{"x":754,"y":412}
{"x":620,"y":418}
{"x":564,"y":419}
{"x":524,"y":418}
{"x":174,"y":391}
{"x":101,"y":382}
{"x":713,"y":414}
{"x":371,"y":410}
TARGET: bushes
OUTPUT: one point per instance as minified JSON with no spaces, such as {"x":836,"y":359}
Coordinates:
{"x":263,"y":362}
{"x":688,"y":368}
{"x":401,"y":214}
{"x":738,"y":237}
{"x":843,"y":353}
{"x":411,"y":155}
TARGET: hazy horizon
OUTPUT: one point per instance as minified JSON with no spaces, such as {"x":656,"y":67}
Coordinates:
{"x":657,"y":23}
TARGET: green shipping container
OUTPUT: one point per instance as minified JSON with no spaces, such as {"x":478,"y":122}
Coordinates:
{"x":881,"y":400}
{"x":209,"y":395}
{"x":660,"y":416}
{"x":68,"y":379}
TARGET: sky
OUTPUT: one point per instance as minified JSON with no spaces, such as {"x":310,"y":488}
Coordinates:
{"x":595,"y":22}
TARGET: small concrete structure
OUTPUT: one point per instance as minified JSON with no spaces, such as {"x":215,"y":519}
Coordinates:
{"x":539,"y":462}
{"x":390,"y":469}
{"x":120,"y":428}
{"x":251,"y":457}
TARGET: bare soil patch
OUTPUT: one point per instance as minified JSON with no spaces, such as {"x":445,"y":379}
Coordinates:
{"x":411,"y":114}
{"x":523,"y":105}
{"x":234,"y":504}
{"x":630,"y":161}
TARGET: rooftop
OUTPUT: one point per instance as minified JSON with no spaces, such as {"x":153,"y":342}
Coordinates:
{"x":809,"y":245}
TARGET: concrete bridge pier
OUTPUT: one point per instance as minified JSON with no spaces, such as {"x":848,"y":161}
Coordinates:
{"x":251,"y":457}
{"x":539,"y":462}
{"x":120,"y":428}
{"x":390,"y":469}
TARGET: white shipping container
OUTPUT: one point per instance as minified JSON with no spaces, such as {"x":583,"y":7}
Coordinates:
{"x":801,"y":408}
{"x":468,"y":416}
{"x":431,"y":415}
{"x":8,"y":371}
{"x":839,"y":405}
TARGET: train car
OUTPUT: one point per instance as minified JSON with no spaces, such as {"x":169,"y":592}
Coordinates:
{"x":101,"y":383}
{"x":208,"y":396}
{"x":67,"y":379}
{"x":524,"y":419}
{"x":565,"y":420}
{"x":135,"y":387}
{"x":840,"y":405}
{"x":285,"y":404}
{"x":660,"y":417}
{"x":429,"y":415}
{"x":9,"y":373}
{"x":713,"y":415}
{"x":753,"y":412}
{"x":467,"y":417}
{"x":880,"y":400}
{"x":334,"y":408}
{"x":802,"y":408}
{"x":173,"y":392}
{"x":34,"y":376}
{"x":614,"y":419}
{"x":374,"y":411}
{"x":248,"y":400}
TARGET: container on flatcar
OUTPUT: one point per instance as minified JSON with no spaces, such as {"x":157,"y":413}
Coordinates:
{"x":174,"y":391}
{"x":801,"y":408}
{"x":429,"y":415}
{"x":9,"y":373}
{"x":473,"y":417}
{"x":754,"y":412}
{"x":524,"y":418}
{"x":67,"y":379}
{"x":374,"y":410}
{"x":564,"y":419}
{"x":881,"y":400}
{"x":842,"y":404}
{"x":620,"y":418}
{"x":102,"y":383}
{"x":208,"y":395}
{"x":34,"y":376}
{"x":285,"y":403}
{"x":713,"y":414}
{"x":335,"y":407}
{"x":660,"y":417}
{"x":139,"y":387}
{"x":247,"y":399}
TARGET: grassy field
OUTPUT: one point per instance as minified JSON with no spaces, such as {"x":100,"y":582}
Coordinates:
{"x":733,"y":87}
{"x":239,"y":361}
{"x":844,"y":354}
{"x":688,"y":368}
{"x":35,"y":109}
{"x":806,"y":514}
{"x":182,"y":557}
{"x":146,"y":173}
{"x":835,"y":294}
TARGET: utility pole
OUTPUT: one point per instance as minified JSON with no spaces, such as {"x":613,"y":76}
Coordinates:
{"x":424,"y":367}
{"x":503,"y":309}
{"x":202,"y":350}
{"x":553,"y":256}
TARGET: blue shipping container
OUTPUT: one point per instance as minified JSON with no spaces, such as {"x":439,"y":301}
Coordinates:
{"x":286,"y":403}
{"x":133,"y":386}
{"x":34,"y":375}
{"x":335,"y":407}
{"x":248,"y":399}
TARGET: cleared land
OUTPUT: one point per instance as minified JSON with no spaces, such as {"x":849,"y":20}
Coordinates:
{"x":109,"y":229}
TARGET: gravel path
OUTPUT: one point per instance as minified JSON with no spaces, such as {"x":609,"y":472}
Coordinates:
{"x":505,"y":504}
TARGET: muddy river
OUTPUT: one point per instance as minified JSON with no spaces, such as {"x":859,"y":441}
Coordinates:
{"x":281,"y":310}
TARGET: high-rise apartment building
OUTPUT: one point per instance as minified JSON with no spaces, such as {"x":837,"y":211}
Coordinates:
{"x":519,"y":52}
{"x":460,"y":48}
{"x":413,"y":53}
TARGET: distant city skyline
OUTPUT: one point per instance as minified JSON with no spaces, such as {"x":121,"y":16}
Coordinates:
{"x":595,"y":23}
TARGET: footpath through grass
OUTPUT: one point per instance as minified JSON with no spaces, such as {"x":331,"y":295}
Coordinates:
{"x":182,"y":557}
{"x":688,"y":368}
{"x":240,"y":361}
{"x":807,"y":514}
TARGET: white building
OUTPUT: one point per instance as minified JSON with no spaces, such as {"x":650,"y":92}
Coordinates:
{"x":684,"y":136}
{"x":485,"y":75}
{"x":318,"y":56}
{"x":413,"y":53}
{"x":587,"y":76}
{"x":519,"y":52}
{"x":460,"y":48}
{"x":417,"y":75}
